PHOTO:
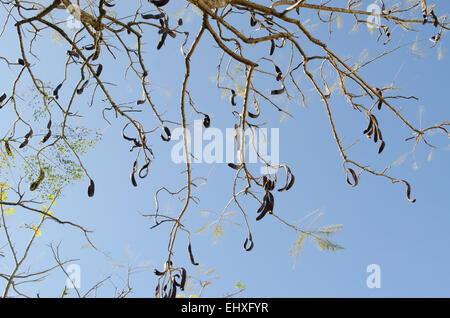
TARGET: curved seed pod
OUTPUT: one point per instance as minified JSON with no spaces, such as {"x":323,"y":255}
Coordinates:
{"x":383,"y":144}
{"x":140,"y":102}
{"x":2,"y":98}
{"x":158,"y":273}
{"x":206,"y":121}
{"x":255,"y":103}
{"x":380,"y":102}
{"x":133,"y":179}
{"x":29,"y":134}
{"x":249,"y":239}
{"x":8,"y":149}
{"x":56,"y":90}
{"x":434,"y":17}
{"x":153,"y":16}
{"x":96,"y":53}
{"x":124,"y":136}
{"x":36,"y":183}
{"x":91,"y":188}
{"x":99,"y":70}
{"x":408,"y":191}
{"x":232,"y":97}
{"x":49,"y":124}
{"x":167,"y":131}
{"x":268,"y":206}
{"x":81,"y":89}
{"x":183,"y":278}
{"x":159,"y":3}
{"x":252,"y":19}
{"x":278,"y":91}
{"x":279,"y":73}
{"x":369,"y":127}
{"x":272,"y":47}
{"x":144,"y":168}
{"x":354,"y":176}
{"x":234,"y":166}
{"x":24,"y":143}
{"x":109,"y":5}
{"x":290,"y":179}
{"x":47,"y":137}
{"x":191,"y":256}
{"x":89,"y":47}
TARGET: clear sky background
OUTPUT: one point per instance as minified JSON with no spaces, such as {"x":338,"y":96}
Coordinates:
{"x":410,"y":242}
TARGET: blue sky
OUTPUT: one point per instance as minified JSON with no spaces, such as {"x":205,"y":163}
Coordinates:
{"x":408,"y":241}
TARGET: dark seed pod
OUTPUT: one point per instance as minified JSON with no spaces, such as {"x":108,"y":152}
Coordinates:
{"x":279,"y":73}
{"x":380,"y":102}
{"x":354,"y":176}
{"x":272,"y":47}
{"x":249,"y":239}
{"x":234,"y":166}
{"x":191,"y":256}
{"x":167,"y":131}
{"x":290,"y":179}
{"x":8,"y":149}
{"x":29,"y":134}
{"x":109,"y":5}
{"x":153,"y":16}
{"x":232,"y":97}
{"x":159,"y":3}
{"x":408,"y":191}
{"x":99,"y":70}
{"x":91,"y":188}
{"x":206,"y":121}
{"x":2,"y":98}
{"x":47,"y":136}
{"x":56,"y":90}
{"x":369,"y":127}
{"x":383,"y":144}
{"x":73,"y":54}
{"x":158,"y":273}
{"x":180,"y":22}
{"x":268,"y":203}
{"x":89,"y":47}
{"x":36,"y":183}
{"x":252,"y":19}
{"x":81,"y":89}
{"x":183,"y":278}
{"x":133,"y":179}
{"x":24,"y":143}
{"x":20,"y":61}
{"x":278,"y":91}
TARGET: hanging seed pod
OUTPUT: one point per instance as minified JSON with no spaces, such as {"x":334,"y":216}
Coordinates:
{"x":56,"y":90}
{"x":290,"y":179}
{"x":272,"y":47}
{"x":158,"y":273}
{"x":234,"y":166}
{"x":96,"y":53}
{"x":424,"y":10}
{"x":268,"y":203}
{"x":47,"y":136}
{"x":36,"y":183}
{"x":24,"y":143}
{"x":408,"y":191}
{"x":180,"y":22}
{"x":383,"y":144}
{"x":354,"y":176}
{"x":99,"y":70}
{"x":167,"y":131}
{"x":252,"y":19}
{"x":183,"y":278}
{"x":81,"y":89}
{"x":191,"y":256}
{"x":89,"y":47}
{"x":2,"y":98}
{"x":278,"y":91}
{"x":232,"y":97}
{"x":20,"y":61}
{"x":249,"y":239}
{"x":380,"y":93}
{"x":251,"y":115}
{"x":369,"y":127}
{"x":153,"y":16}
{"x":29,"y":134}
{"x":206,"y":121}
{"x":435,"y":18}
{"x":91,"y":188}
{"x":279,"y":73}
{"x":132,"y":175}
{"x":8,"y":149}
{"x":159,"y":3}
